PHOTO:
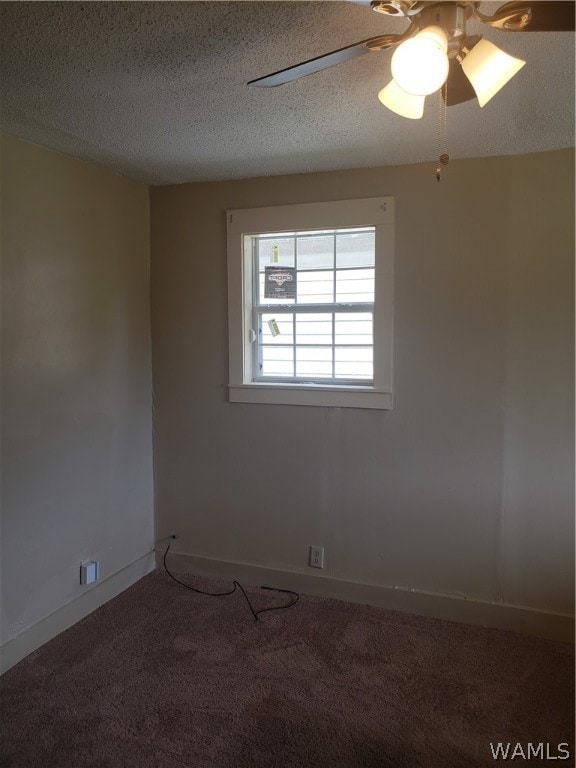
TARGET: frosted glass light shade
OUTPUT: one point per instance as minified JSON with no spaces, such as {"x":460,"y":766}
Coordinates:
{"x":488,"y":68}
{"x":404,"y":104}
{"x":420,"y":64}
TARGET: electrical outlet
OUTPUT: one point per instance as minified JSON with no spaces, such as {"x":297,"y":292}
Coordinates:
{"x":316,"y":557}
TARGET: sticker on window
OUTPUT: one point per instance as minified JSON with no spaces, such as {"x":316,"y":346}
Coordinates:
{"x":280,"y":283}
{"x":273,"y":326}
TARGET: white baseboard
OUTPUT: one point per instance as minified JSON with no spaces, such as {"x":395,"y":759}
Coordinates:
{"x":554,"y":626}
{"x":17,"y":648}
{"x":531,"y":621}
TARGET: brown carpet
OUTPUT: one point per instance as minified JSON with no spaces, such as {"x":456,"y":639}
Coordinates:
{"x":163,"y":678}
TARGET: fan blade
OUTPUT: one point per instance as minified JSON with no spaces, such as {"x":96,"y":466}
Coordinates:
{"x":327,"y":60}
{"x":546,"y":16}
{"x":459,"y":89}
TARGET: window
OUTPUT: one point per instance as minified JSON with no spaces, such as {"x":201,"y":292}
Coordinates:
{"x":313,"y":306}
{"x":310,"y":303}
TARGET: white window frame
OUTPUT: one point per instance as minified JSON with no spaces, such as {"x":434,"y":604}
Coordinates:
{"x":377,"y":212}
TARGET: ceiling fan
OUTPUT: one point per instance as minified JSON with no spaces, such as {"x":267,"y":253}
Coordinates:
{"x":435,"y":52}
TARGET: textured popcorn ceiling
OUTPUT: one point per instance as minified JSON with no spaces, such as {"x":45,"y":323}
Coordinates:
{"x":157,"y":90}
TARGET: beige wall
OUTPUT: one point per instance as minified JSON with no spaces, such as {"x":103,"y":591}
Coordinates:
{"x":466,"y":487}
{"x":76,"y":385}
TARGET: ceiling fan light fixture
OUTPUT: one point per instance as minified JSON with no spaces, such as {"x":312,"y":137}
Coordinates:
{"x":402,"y":103}
{"x":420,"y":64}
{"x":489,"y":69}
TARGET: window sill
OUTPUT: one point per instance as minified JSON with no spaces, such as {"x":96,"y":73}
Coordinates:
{"x":310,"y":394}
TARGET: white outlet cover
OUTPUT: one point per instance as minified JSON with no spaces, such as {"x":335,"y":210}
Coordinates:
{"x":89,"y":572}
{"x":316,"y":557}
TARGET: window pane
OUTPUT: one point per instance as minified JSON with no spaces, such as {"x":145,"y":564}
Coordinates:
{"x":353,"y":362}
{"x":314,"y":329}
{"x":314,"y":362}
{"x":315,"y":252}
{"x":276,"y":329}
{"x":353,"y":328}
{"x":355,"y":285}
{"x":268,"y":248}
{"x":268,"y":300}
{"x":274,"y":251}
{"x":315,"y":287}
{"x":355,"y":250}
{"x":277,"y":361}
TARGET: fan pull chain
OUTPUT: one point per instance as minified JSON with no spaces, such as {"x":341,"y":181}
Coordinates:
{"x":444,"y":157}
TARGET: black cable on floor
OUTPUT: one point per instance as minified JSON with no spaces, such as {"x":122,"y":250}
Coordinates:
{"x":236,"y":586}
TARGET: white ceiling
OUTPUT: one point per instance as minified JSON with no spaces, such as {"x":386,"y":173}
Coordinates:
{"x":157,"y":90}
